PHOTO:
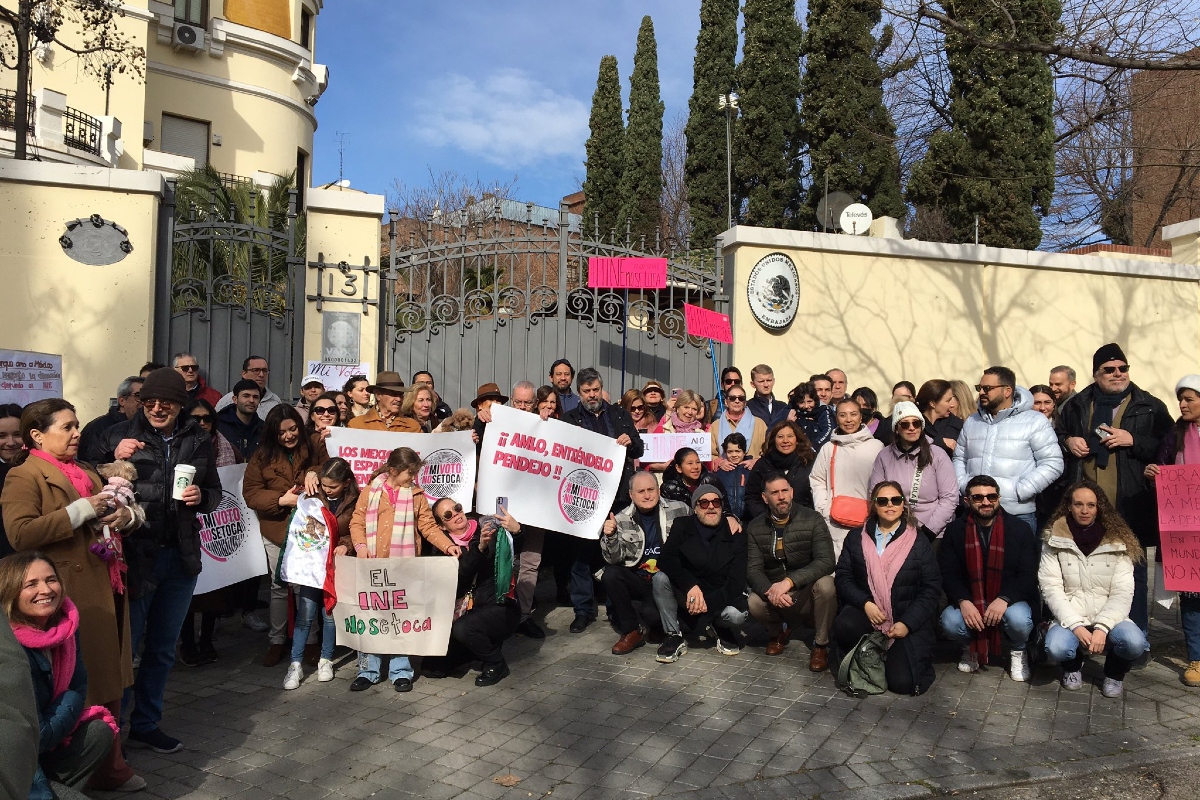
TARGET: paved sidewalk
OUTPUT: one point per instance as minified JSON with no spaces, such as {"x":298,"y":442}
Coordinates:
{"x":574,"y":721}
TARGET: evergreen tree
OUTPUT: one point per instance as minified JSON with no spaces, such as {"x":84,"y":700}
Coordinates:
{"x":713,"y":75}
{"x":997,"y":160}
{"x":768,"y":165}
{"x":641,"y":177}
{"x":605,"y":146}
{"x":843,"y":121}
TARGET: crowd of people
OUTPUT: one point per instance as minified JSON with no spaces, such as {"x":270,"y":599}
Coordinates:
{"x":1013,"y":522}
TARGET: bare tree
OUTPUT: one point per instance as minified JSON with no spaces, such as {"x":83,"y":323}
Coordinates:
{"x":676,"y":221}
{"x":450,"y":197}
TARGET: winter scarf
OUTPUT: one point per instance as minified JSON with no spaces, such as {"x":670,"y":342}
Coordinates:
{"x":404,"y":529}
{"x":1190,"y":454}
{"x":75,"y":474}
{"x":1104,"y":406}
{"x":685,"y":427}
{"x":883,"y":569}
{"x":781,"y":462}
{"x":745,"y":426}
{"x":1086,"y":539}
{"x":985,"y":569}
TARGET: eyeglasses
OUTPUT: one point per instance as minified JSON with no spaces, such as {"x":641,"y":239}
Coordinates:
{"x":449,"y":515}
{"x":203,"y":419}
{"x":1123,"y":369}
{"x":258,"y":370}
{"x":908,"y":424}
{"x":707,"y":503}
{"x":991,"y":497}
{"x":884,"y":502}
{"x":189,"y":367}
{"x":324,"y":409}
{"x":737,"y":398}
{"x":522,"y":404}
{"x":165,"y":405}
{"x":984,"y":389}
{"x":638,"y":407}
{"x":733,"y":381}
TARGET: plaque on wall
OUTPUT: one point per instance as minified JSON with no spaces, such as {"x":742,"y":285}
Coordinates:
{"x":340,"y":337}
{"x":95,"y":241}
{"x":774,"y":291}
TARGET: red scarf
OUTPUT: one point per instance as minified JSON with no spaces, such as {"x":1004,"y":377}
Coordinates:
{"x":985,"y":582}
{"x":74,"y":473}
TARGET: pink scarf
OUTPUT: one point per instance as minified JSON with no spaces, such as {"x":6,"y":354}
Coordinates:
{"x":403,"y":542}
{"x":685,"y":427}
{"x":1191,"y":447}
{"x":75,"y":474}
{"x":465,"y":539}
{"x":882,"y":570}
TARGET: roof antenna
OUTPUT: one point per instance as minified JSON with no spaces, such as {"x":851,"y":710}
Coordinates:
{"x":341,"y":153}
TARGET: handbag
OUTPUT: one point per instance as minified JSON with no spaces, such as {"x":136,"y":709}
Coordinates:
{"x":863,"y":669}
{"x":847,"y":511}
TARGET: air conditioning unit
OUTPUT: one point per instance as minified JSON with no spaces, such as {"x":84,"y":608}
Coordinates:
{"x":190,"y":37}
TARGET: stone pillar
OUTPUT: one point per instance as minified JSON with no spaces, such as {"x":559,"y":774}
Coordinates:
{"x":51,"y":107}
{"x":1184,"y":240}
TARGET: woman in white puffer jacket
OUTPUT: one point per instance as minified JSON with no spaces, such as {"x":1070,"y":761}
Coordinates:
{"x":1086,"y":577}
{"x":851,"y":451}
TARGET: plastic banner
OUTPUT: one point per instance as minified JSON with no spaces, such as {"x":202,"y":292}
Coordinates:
{"x":395,"y":606}
{"x":1179,"y":526}
{"x":662,"y":447}
{"x":449,"y":469}
{"x":231,"y":549}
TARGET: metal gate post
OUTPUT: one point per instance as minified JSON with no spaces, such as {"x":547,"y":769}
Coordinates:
{"x":563,"y":240}
{"x":163,"y":269}
{"x":298,"y":269}
{"x":387,"y":300}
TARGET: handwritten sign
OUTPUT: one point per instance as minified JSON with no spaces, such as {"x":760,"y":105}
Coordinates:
{"x":231,"y":549}
{"x":334,"y":376}
{"x":1179,"y":525}
{"x":627,"y":273}
{"x":706,"y":324}
{"x":26,"y":376}
{"x":395,"y":606}
{"x":449,"y":469}
{"x":662,"y":447}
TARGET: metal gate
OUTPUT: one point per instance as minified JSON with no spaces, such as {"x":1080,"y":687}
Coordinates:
{"x":230,"y":284}
{"x":499,"y":299}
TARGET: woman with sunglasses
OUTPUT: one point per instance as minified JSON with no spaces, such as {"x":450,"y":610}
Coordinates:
{"x":924,"y":471}
{"x":737,"y":419}
{"x":887,"y":580}
{"x":323,"y":416}
{"x":633,"y":402}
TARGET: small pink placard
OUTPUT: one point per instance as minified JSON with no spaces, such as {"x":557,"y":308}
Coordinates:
{"x":707,"y":324}
{"x":627,"y":273}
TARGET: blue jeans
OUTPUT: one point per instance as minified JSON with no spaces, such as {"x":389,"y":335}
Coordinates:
{"x":308,"y":602}
{"x":1189,"y":613}
{"x":157,"y":616}
{"x":1125,"y":641}
{"x":580,"y":586}
{"x":1030,"y":520}
{"x":1015,"y":625}
{"x":1140,"y":611}
{"x":369,"y":667}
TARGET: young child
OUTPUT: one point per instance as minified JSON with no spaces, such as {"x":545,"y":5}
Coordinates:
{"x":734,"y":480}
{"x":390,"y":519}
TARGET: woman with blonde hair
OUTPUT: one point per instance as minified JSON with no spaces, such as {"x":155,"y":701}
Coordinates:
{"x":420,"y":404}
{"x":964,"y":404}
{"x":635,"y":403}
{"x":686,"y":416}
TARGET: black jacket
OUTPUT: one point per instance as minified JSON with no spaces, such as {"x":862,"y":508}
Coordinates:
{"x":621,"y":423}
{"x":945,"y":428}
{"x":169,"y":523}
{"x":6,"y":548}
{"x":797,"y":476}
{"x":477,"y":569}
{"x":807,"y":551}
{"x":1147,"y":419}
{"x":242,"y":436}
{"x":91,"y":439}
{"x":720,"y":572}
{"x":1019,"y":581}
{"x":758,"y":407}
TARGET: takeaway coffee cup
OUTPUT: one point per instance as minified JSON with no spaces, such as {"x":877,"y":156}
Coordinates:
{"x":184,"y":475}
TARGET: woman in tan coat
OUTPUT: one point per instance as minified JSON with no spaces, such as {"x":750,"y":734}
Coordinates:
{"x":49,"y":501}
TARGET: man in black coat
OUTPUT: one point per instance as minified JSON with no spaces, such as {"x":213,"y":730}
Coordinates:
{"x":164,"y":554}
{"x":989,"y":564}
{"x":91,"y":440}
{"x":597,"y":415}
{"x":1109,"y":432}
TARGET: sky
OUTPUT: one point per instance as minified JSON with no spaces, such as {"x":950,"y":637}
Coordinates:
{"x":486,"y":89}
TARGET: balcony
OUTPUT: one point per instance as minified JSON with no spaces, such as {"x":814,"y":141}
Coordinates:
{"x":8,"y":110}
{"x":81,"y":131}
{"x":60,"y":133}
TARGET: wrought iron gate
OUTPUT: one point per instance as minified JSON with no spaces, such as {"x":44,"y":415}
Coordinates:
{"x":498,"y":299}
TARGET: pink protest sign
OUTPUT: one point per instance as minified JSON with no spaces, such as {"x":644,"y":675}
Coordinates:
{"x":627,"y":273}
{"x":1179,"y":526}
{"x":707,"y":324}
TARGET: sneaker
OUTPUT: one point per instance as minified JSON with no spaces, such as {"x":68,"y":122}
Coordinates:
{"x":190,"y":657}
{"x":968,"y":661}
{"x":156,"y":740}
{"x":324,"y":670}
{"x":1112,"y":688}
{"x":1018,"y":666}
{"x":1072,"y":680}
{"x":727,"y":642}
{"x":295,"y":674}
{"x":671,"y":649}
{"x":137,"y":660}
{"x":254,"y":622}
{"x":1191,"y":676}
{"x":134,"y":784}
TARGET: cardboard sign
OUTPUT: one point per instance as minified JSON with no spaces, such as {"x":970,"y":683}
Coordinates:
{"x":334,"y":376}
{"x":707,"y":324}
{"x":395,"y":606}
{"x":26,"y":377}
{"x":554,"y":475}
{"x":231,"y":548}
{"x":1179,"y":526}
{"x":627,"y":273}
{"x":449,"y":469}
{"x":662,"y":447}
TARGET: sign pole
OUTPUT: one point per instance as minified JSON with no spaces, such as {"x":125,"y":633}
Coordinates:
{"x":624,"y":331}
{"x":716,"y":380}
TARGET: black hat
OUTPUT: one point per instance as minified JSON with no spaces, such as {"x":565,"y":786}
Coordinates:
{"x":1109,"y":352}
{"x":165,"y":384}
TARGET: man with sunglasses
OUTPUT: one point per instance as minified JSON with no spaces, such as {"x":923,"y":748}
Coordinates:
{"x":1009,"y":441}
{"x":730,"y":377}
{"x":187,"y":366}
{"x":989,"y":565}
{"x":1109,"y":432}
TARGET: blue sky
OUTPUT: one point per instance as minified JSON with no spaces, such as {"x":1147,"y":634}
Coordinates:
{"x":484,"y":88}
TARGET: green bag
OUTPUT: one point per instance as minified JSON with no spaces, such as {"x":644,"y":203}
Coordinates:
{"x":862,"y":670}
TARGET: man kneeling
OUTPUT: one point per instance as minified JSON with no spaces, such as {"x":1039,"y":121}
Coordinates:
{"x":989,"y":565}
{"x":631,"y":546}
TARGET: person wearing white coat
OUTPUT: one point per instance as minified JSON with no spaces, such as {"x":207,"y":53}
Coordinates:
{"x":844,"y":466}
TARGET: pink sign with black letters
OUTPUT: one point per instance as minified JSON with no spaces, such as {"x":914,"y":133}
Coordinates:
{"x":627,"y":273}
{"x":706,"y":324}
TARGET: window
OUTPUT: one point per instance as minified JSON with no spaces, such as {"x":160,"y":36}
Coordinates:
{"x":301,"y":177}
{"x":191,"y":11}
{"x":185,"y":137}
{"x":306,"y":29}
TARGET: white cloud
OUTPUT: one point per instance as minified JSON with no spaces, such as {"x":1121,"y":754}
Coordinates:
{"x":507,"y":118}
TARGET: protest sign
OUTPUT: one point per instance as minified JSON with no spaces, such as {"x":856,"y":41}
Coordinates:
{"x":555,"y":476}
{"x":395,"y":606}
{"x":26,"y":377}
{"x":334,"y":376}
{"x":627,"y":273}
{"x":449,"y":469}
{"x":706,"y":324}
{"x":1179,"y":525}
{"x":231,"y":548}
{"x":662,"y":447}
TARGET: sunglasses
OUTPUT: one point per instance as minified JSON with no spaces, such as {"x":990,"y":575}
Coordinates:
{"x":203,"y":419}
{"x":884,"y":502}
{"x":733,"y":381}
{"x":166,"y":405}
{"x":706,"y":503}
{"x":982,"y":389}
{"x":908,"y":424}
{"x":639,"y":407}
{"x":189,"y":367}
{"x":991,"y":497}
{"x":324,"y":409}
{"x":447,"y":516}
{"x":1123,"y":369}
{"x":737,"y":398}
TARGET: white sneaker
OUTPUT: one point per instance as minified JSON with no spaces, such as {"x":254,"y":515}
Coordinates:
{"x":968,"y":661}
{"x":1018,"y":666}
{"x":295,"y":674}
{"x":324,"y":670}
{"x":254,"y":622}
{"x":1072,"y":680}
{"x":1112,"y":688}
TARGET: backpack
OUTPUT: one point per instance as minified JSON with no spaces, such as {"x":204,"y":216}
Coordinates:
{"x":862,"y":669}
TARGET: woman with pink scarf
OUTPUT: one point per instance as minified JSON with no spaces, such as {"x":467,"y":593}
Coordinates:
{"x":887,"y":580}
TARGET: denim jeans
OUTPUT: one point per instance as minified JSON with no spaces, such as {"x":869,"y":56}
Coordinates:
{"x":1030,"y":520}
{"x":1125,"y":641}
{"x":1140,"y":611}
{"x":666,"y":598}
{"x":157,"y":617}
{"x":310,"y":602}
{"x":1015,"y":625}
{"x":369,"y":667}
{"x":580,"y":587}
{"x":1189,"y":613}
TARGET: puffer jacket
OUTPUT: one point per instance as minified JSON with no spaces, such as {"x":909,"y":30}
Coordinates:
{"x":1017,"y":447}
{"x":807,"y":551}
{"x":851,"y":476}
{"x":625,"y":547}
{"x":938,"y":497}
{"x":1085,"y":590}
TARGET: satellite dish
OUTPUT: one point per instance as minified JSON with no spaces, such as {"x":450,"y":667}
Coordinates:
{"x":830,"y":207}
{"x":855,"y":219}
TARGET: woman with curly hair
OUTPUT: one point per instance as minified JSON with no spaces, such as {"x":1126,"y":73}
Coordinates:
{"x":787,"y":450}
{"x":1086,"y":575}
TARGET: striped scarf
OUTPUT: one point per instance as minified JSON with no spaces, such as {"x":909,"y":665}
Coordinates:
{"x":985,"y":569}
{"x":404,"y":530}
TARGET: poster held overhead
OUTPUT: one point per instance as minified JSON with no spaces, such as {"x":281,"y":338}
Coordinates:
{"x":449,"y":469}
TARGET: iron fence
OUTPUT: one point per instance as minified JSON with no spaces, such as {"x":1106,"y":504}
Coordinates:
{"x":81,"y":131}
{"x":8,"y":110}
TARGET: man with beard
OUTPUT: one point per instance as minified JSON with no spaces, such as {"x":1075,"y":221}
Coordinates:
{"x":1062,"y":384}
{"x":561,"y":375}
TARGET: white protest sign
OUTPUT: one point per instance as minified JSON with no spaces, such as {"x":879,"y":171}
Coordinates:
{"x":555,"y":476}
{"x":334,"y":376}
{"x":26,"y":377}
{"x":395,"y":606}
{"x":662,"y":447}
{"x":231,"y":548}
{"x":449,"y":469}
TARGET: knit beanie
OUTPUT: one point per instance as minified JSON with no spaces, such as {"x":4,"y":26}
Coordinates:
{"x":1109,"y":352}
{"x":702,"y":490}
{"x":1188,"y":382}
{"x":165,"y":384}
{"x":903,"y":410}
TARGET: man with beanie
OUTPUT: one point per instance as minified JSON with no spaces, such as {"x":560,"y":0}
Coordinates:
{"x":164,"y":554}
{"x":240,"y":422}
{"x":1110,"y":431}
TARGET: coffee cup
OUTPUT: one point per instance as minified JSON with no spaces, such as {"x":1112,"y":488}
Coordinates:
{"x":184,"y":475}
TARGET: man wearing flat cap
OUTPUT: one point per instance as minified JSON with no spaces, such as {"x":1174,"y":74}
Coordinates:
{"x":1109,"y":432}
{"x":388,"y":389}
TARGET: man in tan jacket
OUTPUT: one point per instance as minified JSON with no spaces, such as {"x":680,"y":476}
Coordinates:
{"x":385,"y":416}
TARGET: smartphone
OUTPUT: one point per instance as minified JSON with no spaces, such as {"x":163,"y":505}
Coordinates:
{"x":676,"y":393}
{"x":1103,"y":434}
{"x":501,"y":505}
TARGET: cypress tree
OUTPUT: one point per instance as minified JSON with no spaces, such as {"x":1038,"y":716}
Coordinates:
{"x":713,"y":75}
{"x":641,"y":178}
{"x":602,"y":186}
{"x":997,"y":159}
{"x":843,"y":121}
{"x":768,"y":164}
